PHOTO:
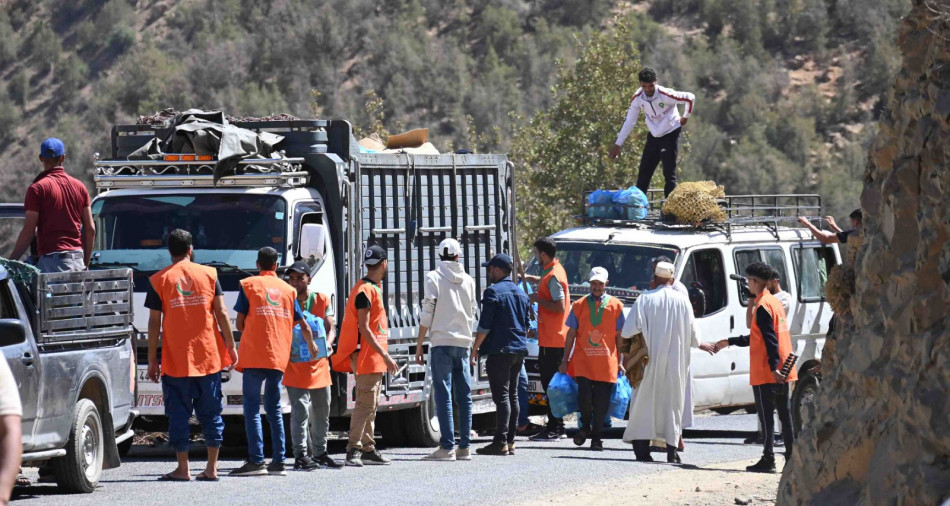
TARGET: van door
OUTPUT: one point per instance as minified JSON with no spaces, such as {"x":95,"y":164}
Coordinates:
{"x":704,"y":275}
{"x":809,"y":322}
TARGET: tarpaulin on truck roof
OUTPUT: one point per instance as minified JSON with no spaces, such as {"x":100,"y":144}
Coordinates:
{"x":210,"y":133}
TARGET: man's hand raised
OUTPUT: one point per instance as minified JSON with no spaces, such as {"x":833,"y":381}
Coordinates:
{"x":614,"y":151}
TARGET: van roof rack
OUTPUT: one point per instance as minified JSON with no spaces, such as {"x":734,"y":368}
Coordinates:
{"x":754,"y":210}
{"x":191,"y":171}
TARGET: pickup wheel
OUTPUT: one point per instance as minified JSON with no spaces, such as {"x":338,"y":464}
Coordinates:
{"x":80,"y":469}
{"x":422,"y":425}
{"x":805,"y":390}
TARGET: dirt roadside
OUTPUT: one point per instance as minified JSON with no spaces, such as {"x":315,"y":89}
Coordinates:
{"x":712,"y":485}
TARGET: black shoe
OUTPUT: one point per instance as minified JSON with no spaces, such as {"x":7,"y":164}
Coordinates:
{"x":645,"y":458}
{"x":778,"y":441}
{"x":765,"y":465}
{"x":327,"y":461}
{"x":529,"y":429}
{"x":546,"y":436}
{"x":374,"y":458}
{"x":305,"y":463}
{"x":249,"y":469}
{"x":277,"y":469}
{"x":561,"y":432}
{"x":354,"y":458}
{"x":597,"y":445}
{"x":673,"y":458}
{"x":581,"y":437}
{"x":493,"y":449}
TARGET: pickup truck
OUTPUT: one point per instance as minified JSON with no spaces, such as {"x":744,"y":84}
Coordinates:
{"x":67,"y":339}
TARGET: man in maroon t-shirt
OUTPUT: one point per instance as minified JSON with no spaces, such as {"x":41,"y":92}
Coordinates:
{"x":57,"y":215}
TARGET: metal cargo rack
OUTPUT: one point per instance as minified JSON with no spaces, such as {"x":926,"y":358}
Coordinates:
{"x":187,"y":171}
{"x":83,"y":306}
{"x":766,"y":210}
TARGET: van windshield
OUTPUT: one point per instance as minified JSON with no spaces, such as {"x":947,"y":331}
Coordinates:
{"x":225,"y":228}
{"x":629,"y":265}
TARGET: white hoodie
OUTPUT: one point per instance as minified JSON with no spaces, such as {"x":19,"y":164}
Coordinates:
{"x":448,"y":308}
{"x":659,"y":111}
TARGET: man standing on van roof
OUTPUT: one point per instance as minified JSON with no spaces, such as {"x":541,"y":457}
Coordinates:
{"x":662,"y":116}
{"x":267,"y":312}
{"x":665,"y":318}
{"x":553,"y":299}
{"x":57,"y":208}
{"x":186,"y":308}
{"x":448,"y":314}
{"x":836,"y":235}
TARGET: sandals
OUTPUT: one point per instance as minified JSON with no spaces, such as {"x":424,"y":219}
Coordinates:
{"x":205,"y":477}
{"x":169,"y":477}
{"x":22,"y":481}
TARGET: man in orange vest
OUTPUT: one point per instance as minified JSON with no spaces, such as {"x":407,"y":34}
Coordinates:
{"x":267,"y":312}
{"x":769,"y":344}
{"x":186,"y":308}
{"x":308,"y":383}
{"x":553,"y":300}
{"x":597,"y":319}
{"x":364,"y":351}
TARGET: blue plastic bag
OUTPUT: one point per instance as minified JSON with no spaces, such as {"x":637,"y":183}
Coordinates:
{"x":601,"y":204}
{"x":631,"y":204}
{"x":562,"y":395}
{"x":620,"y":397}
{"x":299,"y":352}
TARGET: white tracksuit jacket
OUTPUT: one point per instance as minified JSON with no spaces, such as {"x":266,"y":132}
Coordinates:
{"x":660,"y":111}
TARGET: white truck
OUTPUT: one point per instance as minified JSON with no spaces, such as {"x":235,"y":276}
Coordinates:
{"x":325,"y":201}
{"x":705,"y":257}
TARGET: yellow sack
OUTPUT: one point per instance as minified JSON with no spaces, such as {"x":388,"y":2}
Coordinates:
{"x":695,"y":202}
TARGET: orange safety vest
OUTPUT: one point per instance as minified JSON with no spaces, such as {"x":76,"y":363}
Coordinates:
{"x":759,"y":371}
{"x":191,"y":343}
{"x":552,"y":331}
{"x":316,"y":373}
{"x":368,"y":361}
{"x":269,"y":323}
{"x":595,"y":346}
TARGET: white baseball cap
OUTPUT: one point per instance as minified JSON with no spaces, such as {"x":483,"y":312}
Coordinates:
{"x":450,"y":247}
{"x":664,"y":270}
{"x":598,"y":274}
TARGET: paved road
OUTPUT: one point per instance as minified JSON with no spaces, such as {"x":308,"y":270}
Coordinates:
{"x":538,"y":470}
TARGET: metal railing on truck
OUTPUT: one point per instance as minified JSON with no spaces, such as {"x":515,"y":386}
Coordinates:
{"x":74,"y":307}
{"x":192,"y":171}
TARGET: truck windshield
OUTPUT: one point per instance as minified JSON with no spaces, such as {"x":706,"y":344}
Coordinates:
{"x":629,"y":265}
{"x":227,"y":228}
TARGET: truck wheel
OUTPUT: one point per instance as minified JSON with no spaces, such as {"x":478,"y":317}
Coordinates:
{"x":422,"y":425}
{"x":81,"y":468}
{"x":804,"y":393}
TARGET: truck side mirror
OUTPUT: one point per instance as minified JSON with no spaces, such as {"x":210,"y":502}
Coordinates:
{"x":313,"y":241}
{"x":12,"y":332}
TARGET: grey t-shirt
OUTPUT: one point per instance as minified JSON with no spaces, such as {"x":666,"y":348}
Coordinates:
{"x":557,"y":291}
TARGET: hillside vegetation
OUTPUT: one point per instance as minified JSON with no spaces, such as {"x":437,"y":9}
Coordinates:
{"x":787,"y":90}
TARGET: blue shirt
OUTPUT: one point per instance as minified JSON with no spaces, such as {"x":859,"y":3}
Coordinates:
{"x":572,"y":322}
{"x":242,"y":305}
{"x":504,"y":318}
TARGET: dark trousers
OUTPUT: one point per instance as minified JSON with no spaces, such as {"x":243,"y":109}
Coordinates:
{"x":659,"y":149}
{"x":641,"y":449}
{"x":200,"y":395}
{"x":593,"y":397}
{"x":768,"y":398}
{"x":549,"y":359}
{"x":503,"y":370}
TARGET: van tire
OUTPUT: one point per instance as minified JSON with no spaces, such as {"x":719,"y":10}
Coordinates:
{"x":421,"y":425}
{"x":80,"y":469}
{"x":805,"y":391}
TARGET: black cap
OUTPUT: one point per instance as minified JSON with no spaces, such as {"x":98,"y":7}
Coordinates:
{"x":374,"y":255}
{"x":500,"y":260}
{"x":300,"y":266}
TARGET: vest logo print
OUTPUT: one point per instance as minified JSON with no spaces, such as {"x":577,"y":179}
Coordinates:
{"x":185,"y":286}
{"x":662,"y":104}
{"x":272,"y":296}
{"x":595,"y":338}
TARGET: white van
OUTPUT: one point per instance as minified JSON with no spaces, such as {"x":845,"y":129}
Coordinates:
{"x":705,"y":257}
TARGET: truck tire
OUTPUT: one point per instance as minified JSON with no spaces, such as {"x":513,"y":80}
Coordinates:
{"x":422,"y":425}
{"x":81,"y":468}
{"x":805,"y":390}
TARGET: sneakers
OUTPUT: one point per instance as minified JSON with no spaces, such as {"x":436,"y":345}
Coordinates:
{"x":326,"y":461}
{"x":529,"y":429}
{"x":354,"y":458}
{"x":596,"y":445}
{"x":249,"y":469}
{"x":305,"y":463}
{"x":581,"y":437}
{"x":463,"y":454}
{"x":441,"y":455}
{"x":276,"y":469}
{"x":374,"y":458}
{"x":511,"y":448}
{"x":493,"y":449}
{"x":765,"y":465}
{"x":547,"y":435}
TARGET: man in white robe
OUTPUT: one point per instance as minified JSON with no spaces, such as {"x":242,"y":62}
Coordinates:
{"x":665,"y":318}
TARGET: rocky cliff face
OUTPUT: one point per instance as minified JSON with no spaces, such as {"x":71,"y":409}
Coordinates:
{"x":880,"y":433}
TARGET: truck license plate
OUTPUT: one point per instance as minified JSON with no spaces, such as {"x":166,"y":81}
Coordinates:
{"x":534,"y":386}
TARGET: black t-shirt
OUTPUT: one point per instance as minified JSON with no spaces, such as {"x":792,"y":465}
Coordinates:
{"x":154,"y":302}
{"x":843,"y":236}
{"x":362,"y":301}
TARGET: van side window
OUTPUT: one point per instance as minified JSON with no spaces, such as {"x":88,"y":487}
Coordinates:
{"x":705,"y":279}
{"x":812,"y":264}
{"x":773,"y":257}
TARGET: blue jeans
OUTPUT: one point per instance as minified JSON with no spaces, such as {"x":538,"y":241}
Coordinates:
{"x":523,"y":397}
{"x":253,"y":380}
{"x":201,"y":395}
{"x":451,"y":371}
